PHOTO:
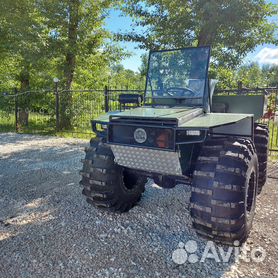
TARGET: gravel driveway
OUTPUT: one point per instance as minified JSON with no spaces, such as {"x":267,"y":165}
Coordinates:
{"x":48,"y":230}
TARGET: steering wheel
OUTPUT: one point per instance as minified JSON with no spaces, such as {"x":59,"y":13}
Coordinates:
{"x":176,"y":90}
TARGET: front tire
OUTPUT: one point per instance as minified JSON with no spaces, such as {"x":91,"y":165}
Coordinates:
{"x":106,"y":184}
{"x":224,"y":190}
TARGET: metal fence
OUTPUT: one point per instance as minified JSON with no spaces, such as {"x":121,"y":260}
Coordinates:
{"x":56,"y":111}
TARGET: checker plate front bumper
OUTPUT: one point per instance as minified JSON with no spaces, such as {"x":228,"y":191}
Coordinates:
{"x":155,"y":161}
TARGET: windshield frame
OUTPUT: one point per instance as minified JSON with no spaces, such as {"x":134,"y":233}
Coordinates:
{"x":206,"y":85}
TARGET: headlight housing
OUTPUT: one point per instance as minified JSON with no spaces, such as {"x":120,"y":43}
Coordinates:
{"x":153,"y":137}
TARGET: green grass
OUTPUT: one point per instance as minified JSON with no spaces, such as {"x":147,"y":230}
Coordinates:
{"x":273,"y":140}
{"x":45,"y":125}
{"x":7,"y":122}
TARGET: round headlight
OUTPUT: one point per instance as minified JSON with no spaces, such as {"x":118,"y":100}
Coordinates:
{"x":140,"y":135}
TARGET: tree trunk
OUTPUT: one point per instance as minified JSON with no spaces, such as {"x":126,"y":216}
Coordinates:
{"x":206,"y":36}
{"x":23,"y":114}
{"x":202,"y":38}
{"x":70,"y":64}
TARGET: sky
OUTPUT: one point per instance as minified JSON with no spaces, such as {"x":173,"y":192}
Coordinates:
{"x":116,"y":23}
{"x":263,"y":54}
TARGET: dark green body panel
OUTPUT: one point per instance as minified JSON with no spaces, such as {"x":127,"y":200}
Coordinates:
{"x":242,"y":104}
{"x":210,"y":120}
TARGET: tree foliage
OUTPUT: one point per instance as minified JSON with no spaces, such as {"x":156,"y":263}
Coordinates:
{"x":57,"y":38}
{"x":250,"y":75}
{"x":232,"y":27}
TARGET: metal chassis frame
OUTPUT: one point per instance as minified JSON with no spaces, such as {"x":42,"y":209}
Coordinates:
{"x":179,"y":179}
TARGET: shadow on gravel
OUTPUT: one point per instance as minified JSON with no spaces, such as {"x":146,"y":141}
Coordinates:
{"x":15,"y":138}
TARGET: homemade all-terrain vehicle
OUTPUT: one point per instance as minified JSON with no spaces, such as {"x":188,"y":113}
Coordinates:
{"x":182,"y":134}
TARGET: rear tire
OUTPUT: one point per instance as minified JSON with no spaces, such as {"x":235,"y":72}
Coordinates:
{"x":106,"y":184}
{"x":224,"y":189}
{"x":261,"y":138}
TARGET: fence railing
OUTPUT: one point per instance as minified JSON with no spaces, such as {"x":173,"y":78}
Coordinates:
{"x":56,"y":111}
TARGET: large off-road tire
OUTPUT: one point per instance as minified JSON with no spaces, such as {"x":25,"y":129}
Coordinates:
{"x":261,"y":137}
{"x":224,"y":189}
{"x":106,"y":184}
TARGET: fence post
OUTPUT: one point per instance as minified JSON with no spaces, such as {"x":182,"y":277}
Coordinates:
{"x":57,"y":106}
{"x":16,"y":109}
{"x":106,"y":99}
{"x":239,"y":86}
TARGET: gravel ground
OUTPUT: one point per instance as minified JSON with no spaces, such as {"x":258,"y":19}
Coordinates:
{"x":48,"y":230}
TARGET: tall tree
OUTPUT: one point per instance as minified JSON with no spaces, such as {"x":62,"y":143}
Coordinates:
{"x":271,"y":74}
{"x":22,"y":36}
{"x":143,"y":69}
{"x":232,"y":27}
{"x":76,"y":30}
{"x":252,"y":76}
{"x":23,"y":40}
{"x":73,"y":22}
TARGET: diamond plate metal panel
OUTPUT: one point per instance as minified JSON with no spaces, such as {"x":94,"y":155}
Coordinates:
{"x":147,"y":159}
